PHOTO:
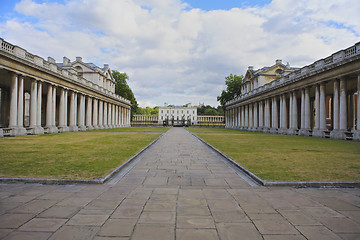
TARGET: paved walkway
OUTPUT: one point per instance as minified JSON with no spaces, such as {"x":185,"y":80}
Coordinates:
{"x":179,"y":190}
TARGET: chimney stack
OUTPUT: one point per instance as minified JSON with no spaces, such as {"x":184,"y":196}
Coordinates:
{"x":79,"y":59}
{"x":278,"y":61}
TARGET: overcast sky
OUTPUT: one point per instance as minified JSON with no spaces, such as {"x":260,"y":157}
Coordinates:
{"x":179,"y":51}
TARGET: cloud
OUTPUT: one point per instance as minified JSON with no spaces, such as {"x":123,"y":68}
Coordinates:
{"x":177,"y":54}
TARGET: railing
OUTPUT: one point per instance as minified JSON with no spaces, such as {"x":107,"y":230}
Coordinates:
{"x":21,"y":53}
{"x":310,"y":69}
{"x":7,"y":47}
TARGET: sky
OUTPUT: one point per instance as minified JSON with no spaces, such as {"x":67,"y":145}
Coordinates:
{"x":180,"y":51}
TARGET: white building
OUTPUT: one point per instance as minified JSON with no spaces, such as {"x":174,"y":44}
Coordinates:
{"x":178,"y":115}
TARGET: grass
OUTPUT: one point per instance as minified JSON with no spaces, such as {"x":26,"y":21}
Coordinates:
{"x":135,"y":129}
{"x":85,"y":155}
{"x":288,"y":158}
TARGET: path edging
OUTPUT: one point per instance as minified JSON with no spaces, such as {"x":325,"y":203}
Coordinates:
{"x":78,"y":181}
{"x":280,"y":184}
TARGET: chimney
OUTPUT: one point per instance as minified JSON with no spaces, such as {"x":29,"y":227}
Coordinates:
{"x":79,"y":59}
{"x":278,"y":61}
{"x":106,"y":66}
{"x":251,"y":68}
{"x":66,"y":61}
{"x":51,"y":60}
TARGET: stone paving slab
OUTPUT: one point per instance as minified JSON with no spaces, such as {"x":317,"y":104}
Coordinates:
{"x":180,"y":189}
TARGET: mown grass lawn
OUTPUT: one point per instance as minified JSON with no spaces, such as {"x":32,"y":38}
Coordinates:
{"x":288,"y":158}
{"x":83,"y":155}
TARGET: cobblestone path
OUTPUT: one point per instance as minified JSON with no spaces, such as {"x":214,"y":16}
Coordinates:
{"x":180,"y":189}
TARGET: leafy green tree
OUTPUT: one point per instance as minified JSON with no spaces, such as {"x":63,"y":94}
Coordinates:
{"x":123,"y":89}
{"x":233,"y":89}
{"x":211,"y":112}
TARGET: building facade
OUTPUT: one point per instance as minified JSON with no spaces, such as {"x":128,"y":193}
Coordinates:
{"x":321,"y":100}
{"x":177,"y":115}
{"x":56,"y":97}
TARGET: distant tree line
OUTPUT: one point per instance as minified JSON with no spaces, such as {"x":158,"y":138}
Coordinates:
{"x":210,"y":111}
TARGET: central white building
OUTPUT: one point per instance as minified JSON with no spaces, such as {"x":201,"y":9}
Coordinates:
{"x":177,"y":115}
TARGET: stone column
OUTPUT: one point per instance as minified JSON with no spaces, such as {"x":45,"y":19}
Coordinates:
{"x":317,"y":108}
{"x":336,"y":112}
{"x":81,"y":115}
{"x":341,"y":113}
{"x":49,"y":108}
{"x":305,"y":130}
{"x":13,"y":118}
{"x":343,"y":105}
{"x":290,"y":112}
{"x":294,"y":113}
{"x":66,"y":128}
{"x":275,"y":120}
{"x":285,"y":114}
{"x":282,"y":115}
{"x":101,"y":115}
{"x":250,"y":126}
{"x":20,"y":107}
{"x":16,"y":106}
{"x":113,"y":116}
{"x":33,"y":104}
{"x":53,"y":117}
{"x":261,"y":116}
{"x":95,"y":113}
{"x":89,"y":113}
{"x":320,"y":119}
{"x":72,"y":121}
{"x":322,"y":107}
{"x":106,"y":115}
{"x":246,"y":116}
{"x":256,"y":118}
{"x":356,"y":135}
{"x":302,"y":117}
{"x":109,"y":115}
{"x":39,"y":128}
{"x":62,"y":110}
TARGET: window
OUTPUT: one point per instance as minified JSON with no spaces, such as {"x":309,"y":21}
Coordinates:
{"x":161,"y":111}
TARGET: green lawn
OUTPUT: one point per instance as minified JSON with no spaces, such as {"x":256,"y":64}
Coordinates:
{"x":288,"y":158}
{"x":83,"y":155}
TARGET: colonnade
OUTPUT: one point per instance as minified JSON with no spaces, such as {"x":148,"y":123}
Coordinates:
{"x":55,"y":108}
{"x":210,"y":119}
{"x":324,"y":109}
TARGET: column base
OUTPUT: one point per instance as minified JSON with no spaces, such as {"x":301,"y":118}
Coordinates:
{"x":318,"y":133}
{"x":82,"y":128}
{"x":356,"y":135}
{"x":37,"y":130}
{"x":90,"y":128}
{"x":266,"y":130}
{"x":52,"y":129}
{"x":291,"y":131}
{"x":73,"y":129}
{"x":64,"y":128}
{"x":273,"y":130}
{"x":304,"y":132}
{"x":1,"y":133}
{"x":283,"y":131}
{"x":17,"y":131}
{"x":338,"y":134}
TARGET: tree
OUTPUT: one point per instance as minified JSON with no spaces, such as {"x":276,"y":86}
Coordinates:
{"x":123,"y":89}
{"x":233,"y":89}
